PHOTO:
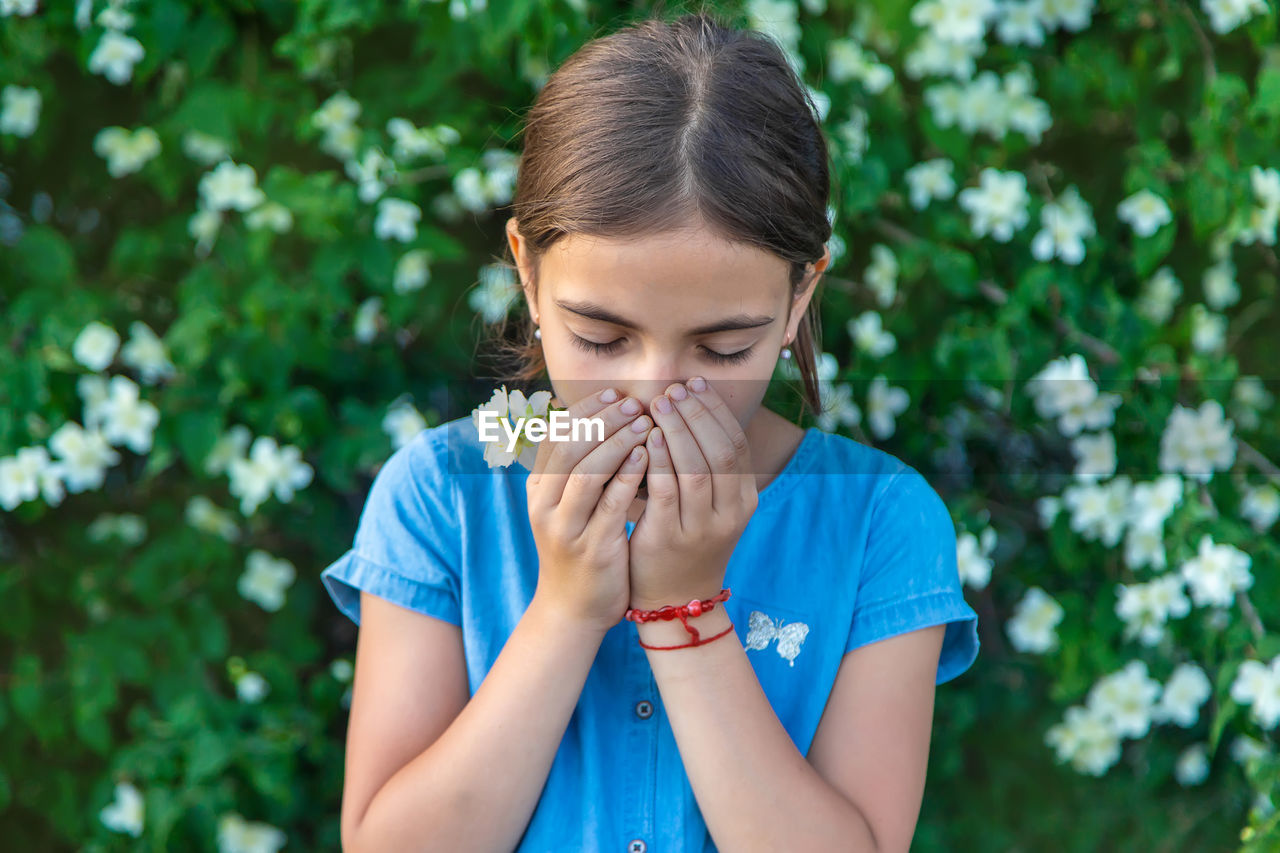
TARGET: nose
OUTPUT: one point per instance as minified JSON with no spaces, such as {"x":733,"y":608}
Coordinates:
{"x":645,"y":389}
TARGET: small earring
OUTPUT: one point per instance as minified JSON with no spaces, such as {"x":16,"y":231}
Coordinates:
{"x":537,"y":333}
{"x":786,"y":352}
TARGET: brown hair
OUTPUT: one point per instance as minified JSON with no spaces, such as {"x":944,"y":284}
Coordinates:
{"x":674,"y":122}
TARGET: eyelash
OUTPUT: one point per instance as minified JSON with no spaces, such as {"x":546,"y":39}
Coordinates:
{"x":605,"y":349}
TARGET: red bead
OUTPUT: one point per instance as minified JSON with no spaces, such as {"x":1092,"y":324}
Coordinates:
{"x":695,"y":608}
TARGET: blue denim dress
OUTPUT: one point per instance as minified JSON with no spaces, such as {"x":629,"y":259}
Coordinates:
{"x":848,"y":545}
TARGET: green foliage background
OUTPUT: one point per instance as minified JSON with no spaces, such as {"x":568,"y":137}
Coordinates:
{"x":117,"y":660}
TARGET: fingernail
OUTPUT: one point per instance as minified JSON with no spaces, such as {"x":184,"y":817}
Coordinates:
{"x":608,"y":395}
{"x":663,"y":405}
{"x":658,"y":440}
{"x":640,"y":424}
{"x":635,"y":455}
{"x":631,"y":406}
{"x":697,"y":383}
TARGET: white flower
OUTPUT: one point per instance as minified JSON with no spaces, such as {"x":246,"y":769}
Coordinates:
{"x":130,"y":528}
{"x":998,"y":206}
{"x":236,"y":835}
{"x":1021,"y":23}
{"x":513,"y":407}
{"x":145,"y":353}
{"x":1047,"y":508}
{"x":1126,"y":698}
{"x":838,"y":406}
{"x":1261,"y":506}
{"x":265,"y":579}
{"x":339,"y":111}
{"x":498,"y":289}
{"x":848,"y":60}
{"x":1245,"y":749}
{"x":973,"y":557}
{"x":1192,"y":766}
{"x":126,"y":151}
{"x":20,"y":110}
{"x":1064,"y":225}
{"x":1197,"y":441}
{"x":929,"y":180}
{"x":204,"y":226}
{"x":1064,"y":389}
{"x":1186,"y":690}
{"x":1146,"y":607}
{"x":852,"y":134}
{"x":85,"y":456}
{"x":267,"y":468}
{"x":402,"y":422}
{"x":479,"y":189}
{"x":233,"y":444}
{"x":1154,"y":501}
{"x":1098,"y":512}
{"x":1159,"y":296}
{"x":1145,"y":212}
{"x":932,"y":55}
{"x":411,"y":142}
{"x":397,"y":220}
{"x":882,"y":274}
{"x":954,"y":20}
{"x":96,"y":346}
{"x":125,"y":418}
{"x":1216,"y":573}
{"x":1033,"y":627}
{"x":1072,"y":15}
{"x":1226,"y":15}
{"x":869,"y":335}
{"x":203,"y":148}
{"x":371,"y":172}
{"x":1220,"y":288}
{"x":1249,"y":396}
{"x":1258,"y":684}
{"x":1208,"y":330}
{"x":115,"y":56}
{"x":205,"y":516}
{"x":251,"y":688}
{"x":271,"y":215}
{"x":20,"y":8}
{"x":20,"y":476}
{"x":413,"y":271}
{"x":126,"y":811}
{"x":1086,"y":739}
{"x":1095,"y":456}
{"x":231,"y":187}
{"x":368,"y":319}
{"x":884,"y":404}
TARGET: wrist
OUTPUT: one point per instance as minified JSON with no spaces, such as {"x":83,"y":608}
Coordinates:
{"x":662,"y":632}
{"x":566,"y":620}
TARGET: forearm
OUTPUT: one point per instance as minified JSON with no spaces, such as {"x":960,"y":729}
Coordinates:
{"x":475,"y":788}
{"x":754,"y":788}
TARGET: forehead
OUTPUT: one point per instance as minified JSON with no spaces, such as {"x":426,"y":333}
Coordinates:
{"x":685,"y":265}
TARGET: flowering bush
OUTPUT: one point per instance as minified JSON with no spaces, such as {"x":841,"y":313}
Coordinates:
{"x":1053,"y":291}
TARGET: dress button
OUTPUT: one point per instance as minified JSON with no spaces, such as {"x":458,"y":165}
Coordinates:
{"x":636,"y":846}
{"x":644,"y":710}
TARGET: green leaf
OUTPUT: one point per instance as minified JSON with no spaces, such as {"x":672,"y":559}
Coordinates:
{"x":1148,"y":252}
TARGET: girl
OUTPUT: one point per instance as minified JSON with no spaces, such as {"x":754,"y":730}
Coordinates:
{"x":669,"y":233}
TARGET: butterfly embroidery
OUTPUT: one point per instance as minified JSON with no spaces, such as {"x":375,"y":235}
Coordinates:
{"x":764,"y":630}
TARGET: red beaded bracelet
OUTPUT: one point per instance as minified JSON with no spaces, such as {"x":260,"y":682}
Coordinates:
{"x":694,"y":608}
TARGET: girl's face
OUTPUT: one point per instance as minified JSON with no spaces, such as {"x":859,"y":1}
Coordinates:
{"x":642,"y":313}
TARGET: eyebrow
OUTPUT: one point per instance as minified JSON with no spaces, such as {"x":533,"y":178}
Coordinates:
{"x":592,"y":311}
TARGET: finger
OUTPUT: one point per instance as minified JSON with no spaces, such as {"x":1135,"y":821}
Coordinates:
{"x":588,"y":406}
{"x":587,"y":482}
{"x":693,"y":473}
{"x":663,"y":503}
{"x":716,"y":446}
{"x":565,"y":455}
{"x":620,"y":493}
{"x":712,"y":399}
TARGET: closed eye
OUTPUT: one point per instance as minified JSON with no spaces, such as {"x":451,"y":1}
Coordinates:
{"x":607,"y":348}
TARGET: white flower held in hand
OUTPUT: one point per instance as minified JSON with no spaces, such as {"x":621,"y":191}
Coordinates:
{"x":513,"y":410}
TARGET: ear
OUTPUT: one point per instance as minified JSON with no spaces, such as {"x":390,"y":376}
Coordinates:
{"x":803,"y":296}
{"x":522,"y":265}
